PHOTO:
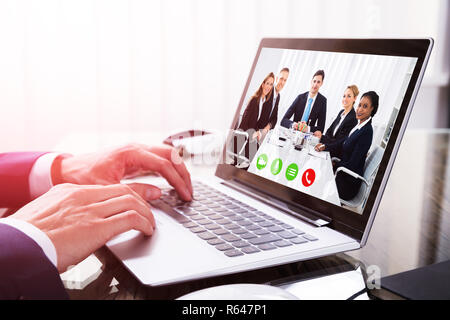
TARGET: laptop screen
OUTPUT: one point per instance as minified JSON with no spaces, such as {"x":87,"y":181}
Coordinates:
{"x":316,"y":124}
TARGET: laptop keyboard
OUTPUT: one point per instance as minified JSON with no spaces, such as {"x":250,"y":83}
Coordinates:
{"x":230,"y":225}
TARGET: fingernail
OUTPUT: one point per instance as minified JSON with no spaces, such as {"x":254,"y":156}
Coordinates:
{"x":152,"y":194}
{"x":187,"y":194}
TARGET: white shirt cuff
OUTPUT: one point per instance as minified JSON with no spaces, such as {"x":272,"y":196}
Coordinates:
{"x":36,"y":234}
{"x":40,"y":179}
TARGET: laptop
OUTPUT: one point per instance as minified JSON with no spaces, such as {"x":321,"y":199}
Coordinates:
{"x":276,"y":200}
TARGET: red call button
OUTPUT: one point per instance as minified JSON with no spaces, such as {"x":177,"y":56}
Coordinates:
{"x":308,"y":177}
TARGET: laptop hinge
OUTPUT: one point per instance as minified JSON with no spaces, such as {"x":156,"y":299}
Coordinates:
{"x":302,"y":213}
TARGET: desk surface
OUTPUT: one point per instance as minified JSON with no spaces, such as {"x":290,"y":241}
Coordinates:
{"x":411,"y":229}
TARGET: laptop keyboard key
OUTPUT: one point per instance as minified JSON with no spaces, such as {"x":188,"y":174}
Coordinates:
{"x":211,"y":226}
{"x":224,"y":247}
{"x":223,"y":221}
{"x":309,"y":237}
{"x":189,"y":224}
{"x":230,"y":238}
{"x":282,"y":243}
{"x":264,"y":239}
{"x":286,"y":235}
{"x":233,"y":253}
{"x":267,"y":246}
{"x":239,"y":231}
{"x":275,"y":229}
{"x":236,"y":218}
{"x":250,"y":249}
{"x":221,"y":232}
{"x":297,"y":231}
{"x":298,"y":240}
{"x":244,"y":223}
{"x":240,"y":244}
{"x":231,"y":226}
{"x":215,"y":217}
{"x":206,"y":235}
{"x":197,"y":229}
{"x":248,"y":235}
{"x":266,"y":224}
{"x":203,"y":222}
{"x":257,"y":219}
{"x":253,"y":227}
{"x":261,"y":232}
{"x":215,"y":241}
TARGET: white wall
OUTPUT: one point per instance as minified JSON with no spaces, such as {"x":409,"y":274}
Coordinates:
{"x":136,"y":66}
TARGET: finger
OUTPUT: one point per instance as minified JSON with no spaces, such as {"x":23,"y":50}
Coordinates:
{"x":95,"y":193}
{"x":151,"y":161}
{"x":173,"y":156}
{"x":126,"y":221}
{"x":146,"y":191}
{"x":121,"y":204}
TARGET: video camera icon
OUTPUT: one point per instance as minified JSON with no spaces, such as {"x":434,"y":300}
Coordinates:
{"x":261,"y":162}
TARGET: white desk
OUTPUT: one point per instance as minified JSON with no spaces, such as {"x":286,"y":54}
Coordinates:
{"x":280,"y":162}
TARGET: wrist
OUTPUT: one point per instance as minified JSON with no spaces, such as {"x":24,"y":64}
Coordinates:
{"x":57,"y":169}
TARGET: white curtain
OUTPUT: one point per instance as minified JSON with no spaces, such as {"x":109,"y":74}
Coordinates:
{"x":69,"y":66}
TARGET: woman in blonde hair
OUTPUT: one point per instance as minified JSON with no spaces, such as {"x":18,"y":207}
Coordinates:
{"x":254,"y":118}
{"x":345,"y":120}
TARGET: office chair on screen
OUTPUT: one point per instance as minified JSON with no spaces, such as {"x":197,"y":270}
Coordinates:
{"x":370,"y":168}
{"x":240,"y":141}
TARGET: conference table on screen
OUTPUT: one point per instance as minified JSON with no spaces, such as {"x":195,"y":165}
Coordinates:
{"x":302,"y":169}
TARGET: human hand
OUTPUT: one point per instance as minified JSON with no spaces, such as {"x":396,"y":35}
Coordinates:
{"x":318,"y":134}
{"x":111,"y":167}
{"x":80,"y":219}
{"x":319,"y":147}
{"x":256,"y":135}
{"x":302,"y":126}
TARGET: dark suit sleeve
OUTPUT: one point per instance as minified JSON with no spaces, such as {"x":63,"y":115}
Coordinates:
{"x":359,"y":152}
{"x":15,"y":168}
{"x":248,"y":114}
{"x":25,"y":270}
{"x":347,"y":126}
{"x":335,"y":148}
{"x":274,"y":116}
{"x":286,"y":122}
{"x":321,"y":117}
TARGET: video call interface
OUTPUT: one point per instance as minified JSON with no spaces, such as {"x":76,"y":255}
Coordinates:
{"x":319,"y":122}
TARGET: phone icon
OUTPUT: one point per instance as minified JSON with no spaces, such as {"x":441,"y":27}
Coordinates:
{"x":308,"y":177}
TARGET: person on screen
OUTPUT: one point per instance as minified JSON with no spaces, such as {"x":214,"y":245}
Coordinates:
{"x":309,"y":109}
{"x":355,"y":147}
{"x":269,"y":114}
{"x":253,"y":118}
{"x":345,"y":120}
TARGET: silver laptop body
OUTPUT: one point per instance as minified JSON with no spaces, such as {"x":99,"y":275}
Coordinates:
{"x":174,"y":253}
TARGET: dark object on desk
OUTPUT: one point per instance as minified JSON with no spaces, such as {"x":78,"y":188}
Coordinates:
{"x":428,"y":283}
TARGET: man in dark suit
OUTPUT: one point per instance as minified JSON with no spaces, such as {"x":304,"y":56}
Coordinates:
{"x":309,"y":109}
{"x":269,"y":114}
{"x":85,"y":207}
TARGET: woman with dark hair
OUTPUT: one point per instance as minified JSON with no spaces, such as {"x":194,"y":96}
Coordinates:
{"x":252,"y":118}
{"x":355,"y":147}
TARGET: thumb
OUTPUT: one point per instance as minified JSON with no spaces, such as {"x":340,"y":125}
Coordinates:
{"x":146,"y":191}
